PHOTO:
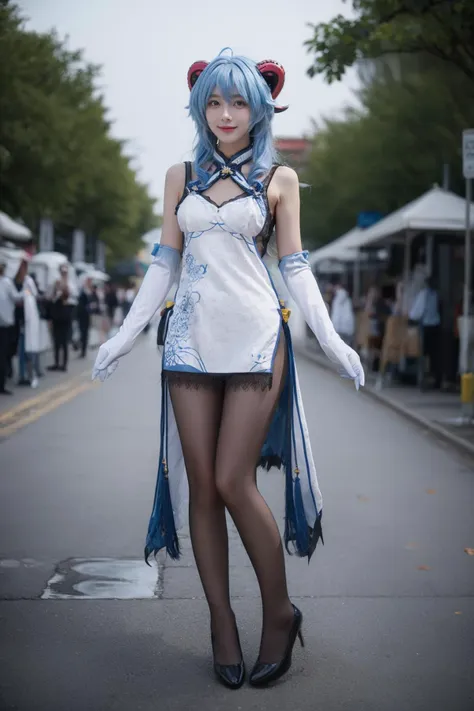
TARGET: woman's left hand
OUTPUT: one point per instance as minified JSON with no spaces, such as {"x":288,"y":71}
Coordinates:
{"x":352,"y":368}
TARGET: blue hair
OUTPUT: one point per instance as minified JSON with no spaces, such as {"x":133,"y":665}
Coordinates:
{"x":231,"y":75}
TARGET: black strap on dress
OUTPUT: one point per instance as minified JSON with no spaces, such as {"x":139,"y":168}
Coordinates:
{"x":188,"y":174}
{"x":266,"y":232}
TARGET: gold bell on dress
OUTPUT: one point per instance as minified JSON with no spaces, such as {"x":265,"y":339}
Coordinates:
{"x":286,"y":313}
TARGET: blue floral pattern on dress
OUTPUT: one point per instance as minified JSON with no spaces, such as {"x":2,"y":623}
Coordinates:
{"x":260,"y":363}
{"x":177,"y":352}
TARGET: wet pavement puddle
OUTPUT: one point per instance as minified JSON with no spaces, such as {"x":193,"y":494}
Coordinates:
{"x":103,"y":579}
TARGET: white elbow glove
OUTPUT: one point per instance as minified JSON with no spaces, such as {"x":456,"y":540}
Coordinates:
{"x":158,"y":280}
{"x":305,"y":292}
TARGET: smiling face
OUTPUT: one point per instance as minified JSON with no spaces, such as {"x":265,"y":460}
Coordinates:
{"x":229,"y":121}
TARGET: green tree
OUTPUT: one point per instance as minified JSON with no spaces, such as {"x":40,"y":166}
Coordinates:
{"x":385,"y":153}
{"x":439,"y":28}
{"x":57,"y":157}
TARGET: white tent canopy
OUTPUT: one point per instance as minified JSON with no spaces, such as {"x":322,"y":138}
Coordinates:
{"x":341,"y":250}
{"x":437,"y":210}
{"x":13,"y":230}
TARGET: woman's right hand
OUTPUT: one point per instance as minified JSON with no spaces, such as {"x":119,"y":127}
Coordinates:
{"x":106,"y":361}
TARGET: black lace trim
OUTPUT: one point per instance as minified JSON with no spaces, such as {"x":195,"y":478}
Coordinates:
{"x":263,"y":238}
{"x":234,"y":381}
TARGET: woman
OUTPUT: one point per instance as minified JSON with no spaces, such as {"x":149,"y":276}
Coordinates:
{"x":342,"y":313}
{"x":63,"y":298}
{"x":33,"y":329}
{"x":87,"y":305}
{"x":230,"y":394}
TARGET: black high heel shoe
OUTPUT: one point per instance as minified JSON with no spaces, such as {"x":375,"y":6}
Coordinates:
{"x":262,"y":674}
{"x":231,"y":675}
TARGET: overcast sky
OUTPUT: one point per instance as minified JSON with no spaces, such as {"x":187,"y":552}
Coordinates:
{"x":146,"y":47}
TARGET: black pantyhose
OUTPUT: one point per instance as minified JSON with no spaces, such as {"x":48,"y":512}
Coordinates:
{"x":222,"y":430}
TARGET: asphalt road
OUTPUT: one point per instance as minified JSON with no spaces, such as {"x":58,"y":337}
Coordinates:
{"x":388,"y":602}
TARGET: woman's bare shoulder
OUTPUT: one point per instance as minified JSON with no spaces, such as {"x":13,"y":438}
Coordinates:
{"x":175,"y":174}
{"x":285,"y":177}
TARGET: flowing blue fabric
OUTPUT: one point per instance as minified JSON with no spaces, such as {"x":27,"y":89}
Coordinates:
{"x":162,"y":529}
{"x":279,"y":450}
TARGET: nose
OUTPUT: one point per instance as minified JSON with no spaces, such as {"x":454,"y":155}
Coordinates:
{"x":226,"y":113}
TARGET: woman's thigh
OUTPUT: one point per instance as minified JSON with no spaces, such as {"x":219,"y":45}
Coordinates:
{"x":198,"y":416}
{"x":246,"y":418}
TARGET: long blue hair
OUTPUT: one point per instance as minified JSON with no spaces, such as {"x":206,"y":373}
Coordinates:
{"x":234,"y":75}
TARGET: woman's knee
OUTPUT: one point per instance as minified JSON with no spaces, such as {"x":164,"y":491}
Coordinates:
{"x":232,"y":483}
{"x":203,"y":490}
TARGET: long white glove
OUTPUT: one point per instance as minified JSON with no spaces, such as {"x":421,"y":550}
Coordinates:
{"x":304,"y":290}
{"x":158,"y":280}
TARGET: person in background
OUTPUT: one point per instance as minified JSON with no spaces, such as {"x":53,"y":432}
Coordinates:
{"x":18,"y":346}
{"x":43,"y":310}
{"x":9,"y":297}
{"x":63,"y":298}
{"x":87,"y":305}
{"x":32,"y":329}
{"x":425,"y":312}
{"x":327,"y":291}
{"x":111,"y":304}
{"x":342,"y":313}
{"x":129,"y":297}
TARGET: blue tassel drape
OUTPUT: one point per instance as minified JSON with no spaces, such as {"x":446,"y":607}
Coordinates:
{"x":161,"y":529}
{"x":280,"y":450}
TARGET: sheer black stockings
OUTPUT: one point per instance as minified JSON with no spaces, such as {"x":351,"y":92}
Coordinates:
{"x":222,"y":430}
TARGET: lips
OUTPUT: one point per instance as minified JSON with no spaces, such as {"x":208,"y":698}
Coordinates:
{"x":227,"y":129}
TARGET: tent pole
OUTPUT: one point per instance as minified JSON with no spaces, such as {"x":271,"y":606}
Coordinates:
{"x":406,"y":263}
{"x":429,"y":254}
{"x":356,"y":295}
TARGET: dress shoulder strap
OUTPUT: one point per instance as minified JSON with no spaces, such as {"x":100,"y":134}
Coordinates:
{"x":188,"y":174}
{"x":270,"y":174}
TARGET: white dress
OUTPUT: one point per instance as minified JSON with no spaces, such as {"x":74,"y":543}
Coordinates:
{"x":226,"y":317}
{"x":226,"y":320}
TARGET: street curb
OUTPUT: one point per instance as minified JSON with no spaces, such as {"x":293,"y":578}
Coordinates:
{"x":421,"y":421}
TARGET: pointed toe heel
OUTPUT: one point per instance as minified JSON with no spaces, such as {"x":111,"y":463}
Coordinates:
{"x":262,"y":673}
{"x":230,"y":675}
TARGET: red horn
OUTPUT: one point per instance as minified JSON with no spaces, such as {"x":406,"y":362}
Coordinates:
{"x":274,"y":75}
{"x":194,"y":71}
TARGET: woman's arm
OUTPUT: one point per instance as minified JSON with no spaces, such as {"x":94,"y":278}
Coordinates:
{"x":300,"y":280}
{"x":158,"y":280}
{"x":171,"y":235}
{"x":287,"y":211}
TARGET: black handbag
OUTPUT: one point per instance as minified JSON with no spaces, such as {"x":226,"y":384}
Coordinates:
{"x":163,"y":325}
{"x":44,"y":309}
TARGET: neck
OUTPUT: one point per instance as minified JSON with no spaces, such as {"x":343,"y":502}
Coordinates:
{"x":230,"y":149}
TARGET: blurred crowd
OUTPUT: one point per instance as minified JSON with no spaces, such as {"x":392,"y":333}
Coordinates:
{"x":36,"y":324}
{"x":398,"y":327}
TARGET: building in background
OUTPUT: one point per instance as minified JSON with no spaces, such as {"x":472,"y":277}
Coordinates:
{"x":294,"y":151}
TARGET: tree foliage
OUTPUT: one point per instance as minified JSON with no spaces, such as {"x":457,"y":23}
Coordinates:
{"x":387,"y":152}
{"x":57,"y":157}
{"x":440,"y":28}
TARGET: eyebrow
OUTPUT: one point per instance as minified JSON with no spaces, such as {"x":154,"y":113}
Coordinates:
{"x":218,"y":96}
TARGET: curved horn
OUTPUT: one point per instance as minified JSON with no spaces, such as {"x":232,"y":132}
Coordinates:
{"x":194,"y":71}
{"x":274,"y":75}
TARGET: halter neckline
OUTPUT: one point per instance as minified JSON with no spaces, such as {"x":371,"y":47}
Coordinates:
{"x":235,"y":162}
{"x":230,"y":168}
